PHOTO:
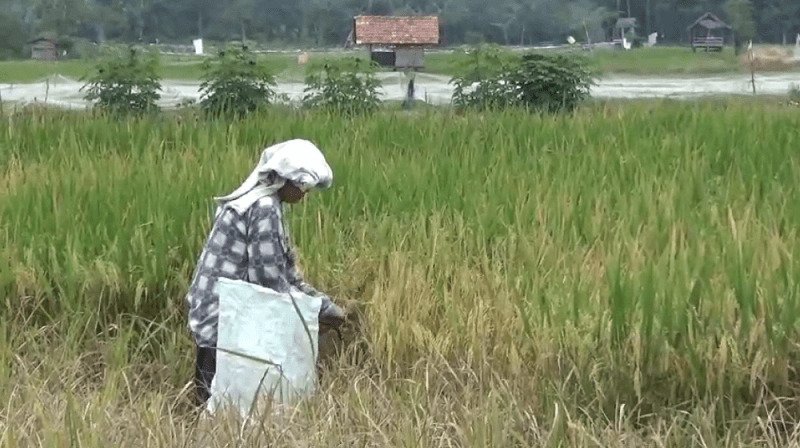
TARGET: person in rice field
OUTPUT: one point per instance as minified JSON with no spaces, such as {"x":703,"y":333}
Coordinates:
{"x":249,"y":242}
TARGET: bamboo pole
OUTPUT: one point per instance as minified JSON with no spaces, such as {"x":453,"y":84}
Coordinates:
{"x":752,"y":58}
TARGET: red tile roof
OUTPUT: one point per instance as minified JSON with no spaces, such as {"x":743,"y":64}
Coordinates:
{"x":423,"y":30}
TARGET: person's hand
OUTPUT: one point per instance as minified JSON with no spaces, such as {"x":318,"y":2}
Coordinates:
{"x":330,"y":314}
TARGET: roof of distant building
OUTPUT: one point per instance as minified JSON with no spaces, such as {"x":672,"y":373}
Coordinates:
{"x":396,"y":30}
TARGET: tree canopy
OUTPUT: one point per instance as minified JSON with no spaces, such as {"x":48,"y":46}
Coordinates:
{"x":328,"y":22}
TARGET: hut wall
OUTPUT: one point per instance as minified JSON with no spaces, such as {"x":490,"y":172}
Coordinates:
{"x":409,"y":58}
{"x":385,"y":58}
{"x":44,"y":51}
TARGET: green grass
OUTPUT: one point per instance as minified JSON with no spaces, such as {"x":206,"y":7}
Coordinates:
{"x":667,"y":61}
{"x":30,"y":71}
{"x":631,"y":266}
{"x":644,"y":61}
{"x":190,"y":68}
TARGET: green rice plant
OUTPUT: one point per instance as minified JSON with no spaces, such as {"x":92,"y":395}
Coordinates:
{"x":629,"y":263}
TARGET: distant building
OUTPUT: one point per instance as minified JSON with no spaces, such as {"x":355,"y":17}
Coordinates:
{"x":396,"y":41}
{"x":621,"y":28}
{"x":709,"y":32}
{"x":44,"y":48}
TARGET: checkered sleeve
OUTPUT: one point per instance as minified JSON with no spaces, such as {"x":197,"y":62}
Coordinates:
{"x":272,"y":261}
{"x":265,"y":250}
{"x":296,"y":279}
{"x":224,"y":256}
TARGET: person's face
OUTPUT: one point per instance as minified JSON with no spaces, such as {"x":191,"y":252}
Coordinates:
{"x":290,"y":193}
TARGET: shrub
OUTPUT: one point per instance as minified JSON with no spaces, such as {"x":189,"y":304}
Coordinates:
{"x":493,"y":79}
{"x":236,"y":83}
{"x":552,"y":82}
{"x":346,"y":86}
{"x":125,"y":83}
{"x":486,"y":68}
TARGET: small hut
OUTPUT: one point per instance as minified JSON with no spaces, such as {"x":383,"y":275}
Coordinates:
{"x":396,"y":41}
{"x":44,"y":49}
{"x":621,"y":28}
{"x":709,"y":32}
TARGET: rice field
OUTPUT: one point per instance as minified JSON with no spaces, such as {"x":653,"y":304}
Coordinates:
{"x":621,"y":277}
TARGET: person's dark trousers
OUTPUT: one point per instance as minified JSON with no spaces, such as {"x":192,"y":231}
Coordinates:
{"x":205,"y":368}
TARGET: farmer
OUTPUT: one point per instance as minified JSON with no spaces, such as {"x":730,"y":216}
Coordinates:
{"x":249,"y":242}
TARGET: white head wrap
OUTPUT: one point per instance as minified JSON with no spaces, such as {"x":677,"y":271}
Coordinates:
{"x":299,"y":161}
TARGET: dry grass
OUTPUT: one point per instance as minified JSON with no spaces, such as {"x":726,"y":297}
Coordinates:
{"x":769,"y":59}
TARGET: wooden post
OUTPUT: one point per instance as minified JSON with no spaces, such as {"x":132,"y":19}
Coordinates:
{"x":588,"y":39}
{"x":752,"y":58}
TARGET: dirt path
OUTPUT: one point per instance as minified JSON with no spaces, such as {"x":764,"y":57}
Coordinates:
{"x":435,"y":89}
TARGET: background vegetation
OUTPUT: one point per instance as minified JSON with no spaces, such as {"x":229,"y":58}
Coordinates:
{"x":621,"y":277}
{"x":125,"y":83}
{"x":78,"y":24}
{"x":533,"y":81}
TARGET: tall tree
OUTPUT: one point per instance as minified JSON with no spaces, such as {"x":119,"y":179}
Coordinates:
{"x":740,"y":17}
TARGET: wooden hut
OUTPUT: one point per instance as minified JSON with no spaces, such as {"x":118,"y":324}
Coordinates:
{"x":44,"y":49}
{"x":622,"y":27}
{"x":396,"y":41}
{"x":709,"y":32}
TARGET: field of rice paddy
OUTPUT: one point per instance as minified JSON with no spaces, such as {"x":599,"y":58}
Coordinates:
{"x":620,"y":277}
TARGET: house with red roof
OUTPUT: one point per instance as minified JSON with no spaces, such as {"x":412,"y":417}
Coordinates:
{"x":396,"y":41}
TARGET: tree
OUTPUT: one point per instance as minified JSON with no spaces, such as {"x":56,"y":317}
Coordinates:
{"x":12,"y":36}
{"x":740,"y":16}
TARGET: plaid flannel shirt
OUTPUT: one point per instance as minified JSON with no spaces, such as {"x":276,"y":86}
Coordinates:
{"x":252,"y":247}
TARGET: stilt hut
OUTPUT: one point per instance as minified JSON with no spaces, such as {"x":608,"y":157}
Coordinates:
{"x":710,"y":33}
{"x":396,"y":41}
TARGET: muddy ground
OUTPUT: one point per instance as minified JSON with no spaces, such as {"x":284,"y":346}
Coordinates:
{"x":435,"y":89}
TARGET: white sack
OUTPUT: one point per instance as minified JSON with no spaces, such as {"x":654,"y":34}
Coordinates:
{"x":264,"y":324}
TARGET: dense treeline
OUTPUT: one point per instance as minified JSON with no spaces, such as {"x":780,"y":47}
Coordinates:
{"x":327,"y":22}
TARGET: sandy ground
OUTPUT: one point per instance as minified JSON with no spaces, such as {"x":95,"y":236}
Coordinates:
{"x":60,"y":91}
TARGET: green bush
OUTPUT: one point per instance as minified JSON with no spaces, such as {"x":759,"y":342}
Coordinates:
{"x":346,"y":86}
{"x":125,"y":83}
{"x":236,"y":83}
{"x":492,"y":79}
{"x":486,"y":68}
{"x":552,"y":82}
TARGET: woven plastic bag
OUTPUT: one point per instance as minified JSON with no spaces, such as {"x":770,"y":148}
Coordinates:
{"x":263,"y":348}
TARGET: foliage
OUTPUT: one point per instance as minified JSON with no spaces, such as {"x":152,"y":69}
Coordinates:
{"x":12,"y":36}
{"x":327,"y":23}
{"x":553,"y":82}
{"x":236,"y":83}
{"x":481,"y":78}
{"x":740,"y":17}
{"x":492,"y":79}
{"x":125,"y":83}
{"x":346,"y":86}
